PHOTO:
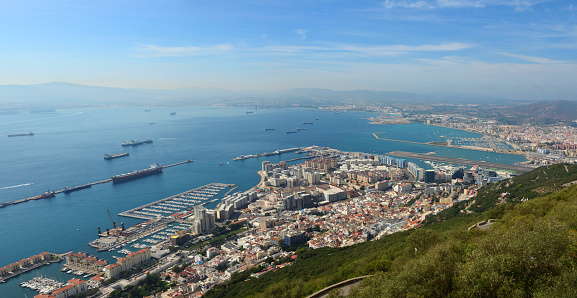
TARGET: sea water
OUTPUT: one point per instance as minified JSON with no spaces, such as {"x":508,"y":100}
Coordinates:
{"x":68,"y":149}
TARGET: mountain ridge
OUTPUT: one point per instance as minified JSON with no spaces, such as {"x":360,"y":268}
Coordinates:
{"x":64,"y":93}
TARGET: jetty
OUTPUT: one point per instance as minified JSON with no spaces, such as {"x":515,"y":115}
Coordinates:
{"x":177,"y":203}
{"x":77,"y":188}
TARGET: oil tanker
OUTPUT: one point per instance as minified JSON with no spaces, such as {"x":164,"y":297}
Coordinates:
{"x":48,"y":194}
{"x":76,"y":188}
{"x":153,"y":169}
{"x":113,"y":156}
{"x":135,"y":143}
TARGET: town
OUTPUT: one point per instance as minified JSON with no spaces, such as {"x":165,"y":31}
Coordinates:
{"x":333,"y":199}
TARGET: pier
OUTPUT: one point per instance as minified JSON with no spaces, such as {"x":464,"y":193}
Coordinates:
{"x":177,"y":203}
{"x":85,"y":185}
{"x":461,"y":161}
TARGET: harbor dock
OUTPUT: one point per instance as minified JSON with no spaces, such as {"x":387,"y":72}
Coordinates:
{"x":177,"y":203}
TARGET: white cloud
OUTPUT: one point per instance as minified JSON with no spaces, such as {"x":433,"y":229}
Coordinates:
{"x":348,"y":50}
{"x":537,"y":60}
{"x":147,"y":51}
{"x":460,"y":3}
{"x":390,"y":4}
{"x":518,"y":5}
{"x":302,"y":33}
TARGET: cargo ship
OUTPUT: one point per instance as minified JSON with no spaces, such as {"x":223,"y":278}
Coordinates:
{"x":291,"y":132}
{"x":153,"y":169}
{"x":301,"y":129}
{"x":48,"y":194}
{"x":267,"y":129}
{"x":113,"y":156}
{"x":76,"y":188}
{"x":135,"y":143}
{"x":173,"y":113}
{"x":22,"y":135}
{"x":307,"y":123}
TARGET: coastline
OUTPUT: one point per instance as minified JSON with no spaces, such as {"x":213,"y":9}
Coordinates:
{"x":475,"y":148}
{"x":262,"y":177}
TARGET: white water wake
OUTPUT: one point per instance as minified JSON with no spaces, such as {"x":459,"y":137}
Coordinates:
{"x":14,"y":186}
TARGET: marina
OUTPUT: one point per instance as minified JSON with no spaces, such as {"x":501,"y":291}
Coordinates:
{"x":177,"y":203}
{"x":42,"y":285}
{"x":117,"y":238}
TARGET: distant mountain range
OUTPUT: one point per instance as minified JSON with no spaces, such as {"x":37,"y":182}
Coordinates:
{"x":62,"y":95}
{"x":67,"y":94}
{"x":543,"y":112}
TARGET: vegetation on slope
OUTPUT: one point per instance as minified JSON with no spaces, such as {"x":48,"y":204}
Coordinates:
{"x":532,"y":250}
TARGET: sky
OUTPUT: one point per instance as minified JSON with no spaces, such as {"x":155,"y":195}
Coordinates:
{"x":518,"y":49}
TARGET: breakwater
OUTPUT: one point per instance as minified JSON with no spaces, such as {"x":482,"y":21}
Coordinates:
{"x":77,"y":188}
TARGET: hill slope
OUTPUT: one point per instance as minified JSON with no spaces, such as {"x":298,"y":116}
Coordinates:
{"x":531,"y":250}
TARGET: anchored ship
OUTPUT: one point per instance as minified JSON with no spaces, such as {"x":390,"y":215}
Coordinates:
{"x":48,"y":194}
{"x":153,"y":169}
{"x":135,"y":143}
{"x":71,"y":189}
{"x":307,"y":123}
{"x":22,"y":134}
{"x":112,"y":156}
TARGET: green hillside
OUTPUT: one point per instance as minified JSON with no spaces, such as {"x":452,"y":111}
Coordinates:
{"x":530,"y":251}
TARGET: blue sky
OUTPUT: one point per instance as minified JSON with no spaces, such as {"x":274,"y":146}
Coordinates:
{"x":506,"y":48}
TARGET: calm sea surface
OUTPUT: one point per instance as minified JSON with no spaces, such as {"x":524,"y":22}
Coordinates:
{"x":68,"y":148}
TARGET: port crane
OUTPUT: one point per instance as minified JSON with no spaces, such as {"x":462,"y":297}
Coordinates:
{"x":111,"y":219}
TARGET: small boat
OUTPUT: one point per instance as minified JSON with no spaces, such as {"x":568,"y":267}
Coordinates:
{"x":173,"y":113}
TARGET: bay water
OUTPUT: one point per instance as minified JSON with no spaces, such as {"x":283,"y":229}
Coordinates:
{"x":68,"y":147}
